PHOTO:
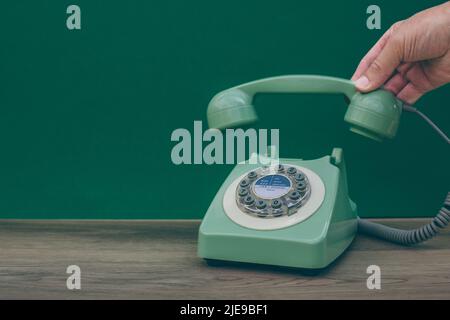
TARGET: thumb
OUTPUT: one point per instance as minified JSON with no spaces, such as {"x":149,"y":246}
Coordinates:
{"x":381,"y":69}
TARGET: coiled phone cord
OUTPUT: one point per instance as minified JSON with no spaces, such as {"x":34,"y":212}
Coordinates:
{"x":408,"y":237}
{"x":423,"y":233}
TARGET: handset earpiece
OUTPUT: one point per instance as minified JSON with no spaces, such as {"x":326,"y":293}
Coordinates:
{"x":374,"y":115}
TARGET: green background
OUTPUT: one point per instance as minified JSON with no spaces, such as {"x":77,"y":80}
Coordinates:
{"x":86,"y":116}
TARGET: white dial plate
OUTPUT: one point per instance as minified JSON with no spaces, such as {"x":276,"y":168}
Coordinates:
{"x":309,"y":208}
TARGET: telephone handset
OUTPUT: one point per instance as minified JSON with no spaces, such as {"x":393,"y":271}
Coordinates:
{"x":297,"y":213}
{"x":375,"y":115}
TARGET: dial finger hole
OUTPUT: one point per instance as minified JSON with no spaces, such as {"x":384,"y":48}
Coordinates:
{"x":291,"y":170}
{"x":242,"y":192}
{"x":244,"y":183}
{"x":252,"y":175}
{"x":276,"y":204}
{"x":248,"y":200}
{"x":294,"y":195}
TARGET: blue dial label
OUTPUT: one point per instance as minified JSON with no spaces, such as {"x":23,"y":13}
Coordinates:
{"x":272,"y":186}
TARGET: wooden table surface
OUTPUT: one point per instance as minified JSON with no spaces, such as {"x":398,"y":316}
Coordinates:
{"x":157,"y":260}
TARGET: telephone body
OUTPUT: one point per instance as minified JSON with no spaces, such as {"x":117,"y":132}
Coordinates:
{"x":308,"y":233}
{"x":293,"y":212}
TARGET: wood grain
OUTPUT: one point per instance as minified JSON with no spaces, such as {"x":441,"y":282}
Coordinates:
{"x":157,"y":260}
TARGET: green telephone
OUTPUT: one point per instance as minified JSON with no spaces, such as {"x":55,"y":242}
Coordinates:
{"x":293,"y":212}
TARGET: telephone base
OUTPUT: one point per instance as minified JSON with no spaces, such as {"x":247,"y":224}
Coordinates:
{"x":263,"y":267}
{"x":312,"y":238}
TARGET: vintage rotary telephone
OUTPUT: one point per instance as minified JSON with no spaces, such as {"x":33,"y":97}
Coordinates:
{"x":298,"y":213}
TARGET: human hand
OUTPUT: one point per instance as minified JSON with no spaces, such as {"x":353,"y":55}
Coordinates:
{"x":411,"y":58}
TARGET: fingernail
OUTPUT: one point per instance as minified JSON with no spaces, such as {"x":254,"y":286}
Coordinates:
{"x":362,"y":82}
